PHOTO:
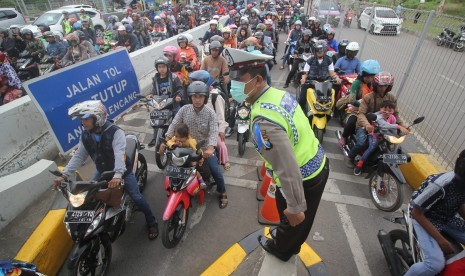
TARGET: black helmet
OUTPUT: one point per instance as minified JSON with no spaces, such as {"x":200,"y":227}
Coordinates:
{"x":342,"y":46}
{"x":216,"y":45}
{"x":198,"y":87}
{"x":26,"y":31}
{"x":161,"y":60}
{"x":258,"y":35}
{"x":320,"y":45}
{"x":81,"y":35}
{"x":182,"y":38}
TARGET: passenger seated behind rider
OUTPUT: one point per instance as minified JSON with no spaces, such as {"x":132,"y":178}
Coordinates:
{"x":384,"y":119}
{"x":183,"y":139}
{"x":349,"y":63}
{"x":433,"y":209}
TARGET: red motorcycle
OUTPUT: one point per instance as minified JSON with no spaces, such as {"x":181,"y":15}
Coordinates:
{"x":181,"y":184}
{"x":342,"y":93}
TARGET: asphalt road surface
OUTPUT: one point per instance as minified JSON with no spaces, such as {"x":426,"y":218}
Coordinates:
{"x":347,"y":222}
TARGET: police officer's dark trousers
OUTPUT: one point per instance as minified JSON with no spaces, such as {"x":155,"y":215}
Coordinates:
{"x":288,"y":238}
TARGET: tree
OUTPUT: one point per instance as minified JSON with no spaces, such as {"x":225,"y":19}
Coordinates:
{"x":441,"y":6}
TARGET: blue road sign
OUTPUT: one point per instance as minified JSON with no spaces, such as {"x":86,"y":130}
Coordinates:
{"x":110,"y":78}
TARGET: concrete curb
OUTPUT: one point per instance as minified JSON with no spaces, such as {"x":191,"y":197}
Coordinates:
{"x":228,"y":262}
{"x":421,"y":166}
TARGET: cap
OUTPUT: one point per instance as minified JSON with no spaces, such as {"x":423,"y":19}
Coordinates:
{"x":122,"y":28}
{"x":240,"y":60}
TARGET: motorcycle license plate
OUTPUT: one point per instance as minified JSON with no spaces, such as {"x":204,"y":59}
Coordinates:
{"x":395,"y":158}
{"x":79,"y":216}
{"x":160,"y":114}
{"x":177,"y":172}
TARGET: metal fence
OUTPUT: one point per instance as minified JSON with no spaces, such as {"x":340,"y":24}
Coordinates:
{"x":429,"y":72}
{"x":36,"y":9}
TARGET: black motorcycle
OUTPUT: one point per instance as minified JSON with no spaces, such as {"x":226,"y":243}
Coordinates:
{"x":386,"y":179}
{"x":160,"y":119}
{"x":450,"y":39}
{"x":26,"y":66}
{"x":243,"y":132}
{"x":47,"y":65}
{"x":96,"y":216}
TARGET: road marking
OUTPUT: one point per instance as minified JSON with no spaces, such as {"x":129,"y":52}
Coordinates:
{"x":335,"y":156}
{"x":353,"y":240}
{"x":452,"y":81}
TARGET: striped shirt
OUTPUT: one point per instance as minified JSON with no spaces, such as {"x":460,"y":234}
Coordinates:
{"x":203,"y":125}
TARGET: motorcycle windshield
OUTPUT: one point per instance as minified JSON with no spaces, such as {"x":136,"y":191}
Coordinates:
{"x":323,"y":90}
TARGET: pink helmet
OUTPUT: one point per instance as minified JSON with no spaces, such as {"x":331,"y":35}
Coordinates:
{"x":173,"y":50}
{"x":233,"y":26}
{"x":232,"y":12}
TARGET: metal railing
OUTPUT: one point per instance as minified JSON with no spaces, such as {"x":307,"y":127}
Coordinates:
{"x":429,"y":72}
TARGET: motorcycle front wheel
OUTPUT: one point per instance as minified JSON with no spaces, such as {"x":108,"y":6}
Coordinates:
{"x":142,"y":172}
{"x":98,"y":264}
{"x":439,"y":41}
{"x":319,"y":133}
{"x":389,"y":196}
{"x":173,"y":229}
{"x":241,"y":144}
{"x":400,"y":244}
{"x":459,"y":46}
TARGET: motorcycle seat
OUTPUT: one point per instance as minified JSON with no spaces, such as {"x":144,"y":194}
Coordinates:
{"x":131,"y":146}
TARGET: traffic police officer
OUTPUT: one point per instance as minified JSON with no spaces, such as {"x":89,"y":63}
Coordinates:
{"x":285,"y":141}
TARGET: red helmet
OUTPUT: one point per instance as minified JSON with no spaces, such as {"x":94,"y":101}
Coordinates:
{"x":383,"y":79}
{"x":249,"y":6}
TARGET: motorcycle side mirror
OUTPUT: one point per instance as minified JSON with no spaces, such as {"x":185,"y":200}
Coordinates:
{"x":201,"y":144}
{"x":371,"y":117}
{"x":418,"y":120}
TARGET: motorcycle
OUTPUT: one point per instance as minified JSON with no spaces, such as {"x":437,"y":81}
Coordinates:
{"x":385,"y":177}
{"x":290,"y":46}
{"x":320,"y":101}
{"x":343,"y":92}
{"x":347,"y":21}
{"x":181,"y":184}
{"x":47,"y":65}
{"x":302,"y":58}
{"x":26,"y":67}
{"x":157,"y":36}
{"x":97,"y":216}
{"x":287,"y":23}
{"x":243,"y":132}
{"x":400,"y":246}
{"x":451,"y":39}
{"x":160,"y":119}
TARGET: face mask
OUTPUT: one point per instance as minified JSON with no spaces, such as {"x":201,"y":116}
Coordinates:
{"x":250,"y":48}
{"x":238,"y":89}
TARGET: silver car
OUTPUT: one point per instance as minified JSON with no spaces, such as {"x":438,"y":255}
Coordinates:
{"x":10,"y":16}
{"x":54,"y":18}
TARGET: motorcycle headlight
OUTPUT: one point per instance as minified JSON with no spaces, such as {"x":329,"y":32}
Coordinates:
{"x":77,"y":200}
{"x":162,"y":104}
{"x":179,"y":161}
{"x":394,"y":140}
{"x":321,"y":107}
{"x":243,"y":113}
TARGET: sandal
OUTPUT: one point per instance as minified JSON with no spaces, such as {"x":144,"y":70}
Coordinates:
{"x":227,"y":166}
{"x":153,"y":231}
{"x":223,"y":201}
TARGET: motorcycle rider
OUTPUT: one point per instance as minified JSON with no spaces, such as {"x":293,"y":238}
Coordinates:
{"x":331,"y":40}
{"x":304,"y":45}
{"x":203,"y":125}
{"x":76,"y":52}
{"x":33,"y":45}
{"x":349,"y":63}
{"x":230,"y":20}
{"x":211,"y":32}
{"x":254,"y":19}
{"x":359,"y":88}
{"x":105,"y":143}
{"x":140,"y":29}
{"x":247,"y":11}
{"x":433,"y":209}
{"x":244,"y":25}
{"x":159,"y":27}
{"x":319,"y":67}
{"x":172,"y":54}
{"x":165,"y":83}
{"x":185,"y":49}
{"x":90,"y":33}
{"x":54,"y":49}
{"x":284,"y":139}
{"x":317,"y":31}
{"x":8,"y":44}
{"x":371,"y":103}
{"x":229,"y":41}
{"x":294,"y":35}
{"x":215,"y":64}
{"x":127,"y":40}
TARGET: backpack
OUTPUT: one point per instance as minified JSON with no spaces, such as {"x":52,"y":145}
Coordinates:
{"x":225,"y":97}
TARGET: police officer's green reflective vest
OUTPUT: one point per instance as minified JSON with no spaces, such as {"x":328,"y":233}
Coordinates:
{"x":67,"y":26}
{"x":281,"y":108}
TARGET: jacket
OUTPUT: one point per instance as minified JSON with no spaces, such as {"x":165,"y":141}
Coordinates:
{"x":175,"y":86}
{"x":83,"y":54}
{"x":319,"y":72}
{"x":371,"y":103}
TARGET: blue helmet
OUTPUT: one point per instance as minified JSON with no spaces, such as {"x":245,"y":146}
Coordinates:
{"x":370,"y":67}
{"x":77,"y":25}
{"x":129,"y":28}
{"x":201,"y":75}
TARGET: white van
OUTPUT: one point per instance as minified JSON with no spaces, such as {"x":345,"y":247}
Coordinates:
{"x":383,"y":21}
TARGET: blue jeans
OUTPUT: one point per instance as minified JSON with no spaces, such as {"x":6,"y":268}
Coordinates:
{"x":361,"y":136}
{"x":434,"y":260}
{"x":212,"y":163}
{"x":372,"y":144}
{"x":131,"y":187}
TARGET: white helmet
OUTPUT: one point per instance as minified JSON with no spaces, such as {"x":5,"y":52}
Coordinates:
{"x":88,"y":109}
{"x":213,"y":22}
{"x":298,"y":22}
{"x":216,"y":17}
{"x":353,"y":46}
{"x":157,"y":17}
{"x":189,"y":37}
{"x":312,"y":18}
